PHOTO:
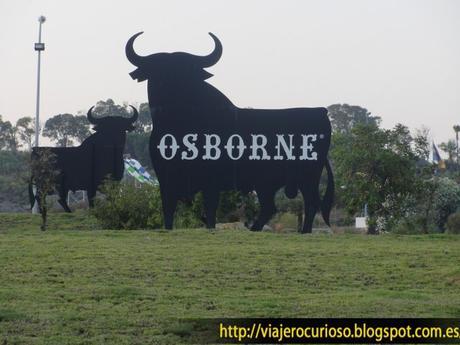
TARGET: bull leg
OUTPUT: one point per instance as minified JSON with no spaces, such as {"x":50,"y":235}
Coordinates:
{"x":169,"y":203}
{"x":311,"y":203}
{"x":91,"y":194}
{"x":211,"y":201}
{"x":266,"y":198}
{"x":63,"y":200}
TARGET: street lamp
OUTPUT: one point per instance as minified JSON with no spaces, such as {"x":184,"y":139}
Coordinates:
{"x":39,"y":47}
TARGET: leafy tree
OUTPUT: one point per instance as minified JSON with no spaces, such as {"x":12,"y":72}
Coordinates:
{"x":137,"y":146}
{"x":65,"y":128}
{"x":7,"y":136}
{"x":25,"y":131}
{"x":144,"y":122}
{"x":376,"y":167}
{"x":110,"y":108}
{"x":344,"y":117}
{"x":422,"y":143}
{"x":446,"y":200}
{"x":450,"y":148}
{"x":44,"y":177}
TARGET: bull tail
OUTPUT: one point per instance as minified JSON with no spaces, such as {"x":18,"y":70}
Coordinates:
{"x":326,"y":203}
{"x":31,"y":194}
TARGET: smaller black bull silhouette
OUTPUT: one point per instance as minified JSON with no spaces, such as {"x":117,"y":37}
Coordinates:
{"x":202,"y":142}
{"x":85,"y":167}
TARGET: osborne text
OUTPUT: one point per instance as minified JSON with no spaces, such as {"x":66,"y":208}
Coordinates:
{"x":235,"y":147}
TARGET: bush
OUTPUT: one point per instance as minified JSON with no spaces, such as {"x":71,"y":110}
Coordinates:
{"x":446,"y":200}
{"x":125,"y":206}
{"x":453,"y":223}
{"x":413,"y":225}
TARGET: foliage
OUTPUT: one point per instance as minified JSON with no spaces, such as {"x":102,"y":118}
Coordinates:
{"x":14,"y":178}
{"x":137,"y":146}
{"x":7,"y":136}
{"x":446,"y":200}
{"x":25,"y":131}
{"x":450,"y":147}
{"x":453,"y":223}
{"x":294,"y":206}
{"x":376,"y":167}
{"x":126,"y":206}
{"x":344,"y":117}
{"x":43,"y":177}
{"x":234,"y":206}
{"x":64,"y":129}
{"x":144,"y":122}
{"x":110,"y":108}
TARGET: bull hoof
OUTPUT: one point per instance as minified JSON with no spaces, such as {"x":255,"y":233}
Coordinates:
{"x":255,"y":228}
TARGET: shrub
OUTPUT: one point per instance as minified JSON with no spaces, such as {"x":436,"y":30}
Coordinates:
{"x":413,"y":225}
{"x":446,"y":200}
{"x":125,"y":206}
{"x":453,"y":223}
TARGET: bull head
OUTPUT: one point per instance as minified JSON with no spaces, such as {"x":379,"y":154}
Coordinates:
{"x":117,"y":122}
{"x":172,"y":66}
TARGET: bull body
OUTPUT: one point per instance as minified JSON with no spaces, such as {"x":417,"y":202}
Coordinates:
{"x":183,"y":105}
{"x":98,"y":157}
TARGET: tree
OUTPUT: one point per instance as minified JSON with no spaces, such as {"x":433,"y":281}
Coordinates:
{"x":65,"y":128}
{"x":44,"y":177}
{"x":25,"y":131}
{"x":144,"y":122}
{"x":376,"y":167}
{"x":457,"y":130}
{"x":450,"y":148}
{"x":110,"y":108}
{"x":7,"y":136}
{"x":422,"y":143}
{"x":344,"y":117}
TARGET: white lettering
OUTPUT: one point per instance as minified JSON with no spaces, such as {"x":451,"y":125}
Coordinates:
{"x":281,"y":142}
{"x":229,"y":147}
{"x":191,"y":147}
{"x":210,"y":147}
{"x":163,"y":146}
{"x":307,"y":148}
{"x":259,"y":146}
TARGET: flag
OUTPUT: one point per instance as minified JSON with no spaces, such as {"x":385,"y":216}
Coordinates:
{"x":436,"y":155}
{"x":437,"y":158}
{"x":136,"y":170}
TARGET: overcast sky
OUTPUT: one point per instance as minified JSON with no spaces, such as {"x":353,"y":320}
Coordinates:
{"x":400,"y":59}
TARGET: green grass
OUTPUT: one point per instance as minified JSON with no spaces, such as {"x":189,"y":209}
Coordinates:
{"x":74,"y":284}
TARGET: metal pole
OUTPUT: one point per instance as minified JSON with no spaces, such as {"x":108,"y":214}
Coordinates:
{"x":38,"y":47}
{"x":37,"y":106}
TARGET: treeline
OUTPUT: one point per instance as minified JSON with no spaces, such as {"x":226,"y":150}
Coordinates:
{"x":387,"y":173}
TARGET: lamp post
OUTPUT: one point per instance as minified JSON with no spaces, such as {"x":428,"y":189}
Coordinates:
{"x":39,"y":47}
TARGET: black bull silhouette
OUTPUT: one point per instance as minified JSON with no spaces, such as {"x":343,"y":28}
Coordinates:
{"x":98,"y":157}
{"x":202,"y":142}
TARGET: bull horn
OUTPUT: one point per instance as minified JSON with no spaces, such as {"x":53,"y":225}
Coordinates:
{"x":91,"y":118}
{"x":211,"y":59}
{"x":135,"y":115}
{"x":130,"y":53}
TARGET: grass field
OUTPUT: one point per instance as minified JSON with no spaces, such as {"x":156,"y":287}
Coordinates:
{"x":76,"y":285}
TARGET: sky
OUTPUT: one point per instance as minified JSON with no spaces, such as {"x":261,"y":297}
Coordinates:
{"x":400,"y":59}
